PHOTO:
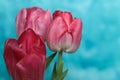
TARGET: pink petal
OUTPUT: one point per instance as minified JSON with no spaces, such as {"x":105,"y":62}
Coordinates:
{"x":20,"y":21}
{"x":76,"y":31}
{"x":32,"y":14}
{"x":42,"y":23}
{"x":65,"y":41}
{"x":57,"y":13}
{"x":67,"y":17}
{"x":34,"y":18}
{"x":55,"y":32}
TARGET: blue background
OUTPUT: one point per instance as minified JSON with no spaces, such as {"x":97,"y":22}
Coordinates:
{"x":98,"y":57}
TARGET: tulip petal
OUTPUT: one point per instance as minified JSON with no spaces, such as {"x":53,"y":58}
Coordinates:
{"x":65,"y":41}
{"x":39,"y":50}
{"x":27,"y":40}
{"x":67,"y":17}
{"x":35,"y":18}
{"x":57,"y":13}
{"x":31,"y":68}
{"x":32,"y":14}
{"x":32,"y":43}
{"x":27,"y":53}
{"x":76,"y":31}
{"x":12,"y":54}
{"x":42,"y":23}
{"x":55,"y":32}
{"x":25,"y":17}
{"x":20,"y":21}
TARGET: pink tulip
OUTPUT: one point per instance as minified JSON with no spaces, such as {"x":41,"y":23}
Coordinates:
{"x":25,"y":58}
{"x":64,"y":32}
{"x":34,"y":18}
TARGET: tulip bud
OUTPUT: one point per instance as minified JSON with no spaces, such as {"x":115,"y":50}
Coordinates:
{"x":34,"y":18}
{"x":64,"y":33}
{"x":25,"y":58}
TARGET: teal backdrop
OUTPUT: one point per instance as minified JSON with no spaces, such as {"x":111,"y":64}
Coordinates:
{"x":98,"y":57}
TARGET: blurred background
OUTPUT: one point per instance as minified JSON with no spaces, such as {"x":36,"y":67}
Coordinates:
{"x":98,"y":57}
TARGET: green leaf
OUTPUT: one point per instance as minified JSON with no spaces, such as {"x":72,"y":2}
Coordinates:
{"x":64,"y":74}
{"x":54,"y":73}
{"x":49,"y":59}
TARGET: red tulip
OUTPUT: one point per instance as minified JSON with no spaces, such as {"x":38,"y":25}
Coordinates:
{"x":34,"y":18}
{"x":64,"y":32}
{"x":25,"y":58}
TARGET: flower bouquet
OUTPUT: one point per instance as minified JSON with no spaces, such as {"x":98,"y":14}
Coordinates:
{"x":25,"y":57}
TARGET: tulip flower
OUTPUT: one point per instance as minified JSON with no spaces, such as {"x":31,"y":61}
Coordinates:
{"x":64,"y":33}
{"x":34,"y":18}
{"x":25,"y":58}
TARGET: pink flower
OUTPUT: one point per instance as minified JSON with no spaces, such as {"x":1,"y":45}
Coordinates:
{"x":25,"y":58}
{"x":34,"y":18}
{"x":64,"y":32}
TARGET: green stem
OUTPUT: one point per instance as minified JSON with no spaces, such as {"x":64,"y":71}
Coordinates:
{"x":59,"y":58}
{"x":58,"y":73}
{"x":60,"y":64}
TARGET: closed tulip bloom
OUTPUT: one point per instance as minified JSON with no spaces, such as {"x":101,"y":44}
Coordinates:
{"x":64,"y":33}
{"x":34,"y":18}
{"x":25,"y":58}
